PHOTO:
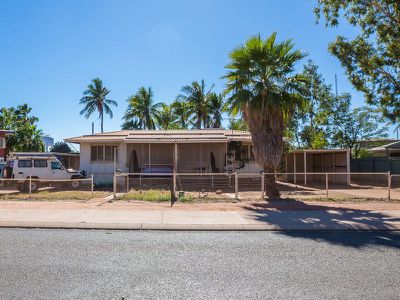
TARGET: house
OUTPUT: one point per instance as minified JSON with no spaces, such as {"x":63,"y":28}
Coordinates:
{"x":388,"y":150}
{"x":194,"y":152}
{"x":3,"y":143}
{"x":165,"y":151}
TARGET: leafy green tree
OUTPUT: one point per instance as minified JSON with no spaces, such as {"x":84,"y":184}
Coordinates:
{"x":141,"y":108}
{"x":347,"y":127}
{"x":61,"y":147}
{"x":197,"y":96}
{"x":95,"y":98}
{"x":306,"y":127}
{"x":27,"y":136}
{"x":214,"y":110}
{"x":372,"y":58}
{"x":263,"y":87}
{"x":183,"y":110}
{"x":165,"y":117}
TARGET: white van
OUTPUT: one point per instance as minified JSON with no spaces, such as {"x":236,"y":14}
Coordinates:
{"x":42,"y":168}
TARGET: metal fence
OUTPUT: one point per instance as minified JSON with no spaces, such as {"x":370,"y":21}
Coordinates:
{"x":242,"y":186}
{"x":45,"y":189}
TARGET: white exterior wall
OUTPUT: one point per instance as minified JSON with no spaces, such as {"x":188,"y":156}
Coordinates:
{"x":102,"y":171}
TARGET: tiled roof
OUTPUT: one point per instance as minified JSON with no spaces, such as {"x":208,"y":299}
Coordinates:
{"x":160,"y":136}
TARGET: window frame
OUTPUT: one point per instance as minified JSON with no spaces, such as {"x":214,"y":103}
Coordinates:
{"x":2,"y":142}
{"x":104,"y":155}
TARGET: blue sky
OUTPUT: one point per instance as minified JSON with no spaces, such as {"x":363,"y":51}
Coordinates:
{"x":50,"y":50}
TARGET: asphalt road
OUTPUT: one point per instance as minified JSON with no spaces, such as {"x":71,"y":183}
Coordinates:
{"x":79,"y":264}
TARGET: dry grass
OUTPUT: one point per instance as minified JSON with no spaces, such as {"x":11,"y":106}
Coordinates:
{"x":49,"y":196}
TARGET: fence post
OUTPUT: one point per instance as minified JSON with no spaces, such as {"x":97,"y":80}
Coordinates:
{"x":262,"y":185}
{"x":92,"y":186}
{"x":389,"y":183}
{"x":174,"y":184}
{"x":127,"y":183}
{"x":30,"y":185}
{"x":115,"y":186}
{"x":236,"y":185}
{"x":327,"y":184}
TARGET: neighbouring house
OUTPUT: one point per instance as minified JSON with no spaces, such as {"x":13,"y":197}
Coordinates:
{"x":3,"y":143}
{"x":165,"y":151}
{"x":385,"y":158}
{"x":388,"y":150}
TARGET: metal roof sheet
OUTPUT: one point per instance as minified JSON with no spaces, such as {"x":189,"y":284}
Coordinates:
{"x":164,"y":135}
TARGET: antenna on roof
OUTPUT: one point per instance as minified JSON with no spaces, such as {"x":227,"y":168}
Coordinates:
{"x":92,"y":127}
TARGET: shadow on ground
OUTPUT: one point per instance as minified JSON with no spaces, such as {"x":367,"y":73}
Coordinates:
{"x":297,"y":214}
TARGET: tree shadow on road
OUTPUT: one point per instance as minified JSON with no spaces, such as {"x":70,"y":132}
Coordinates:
{"x":298,"y":218}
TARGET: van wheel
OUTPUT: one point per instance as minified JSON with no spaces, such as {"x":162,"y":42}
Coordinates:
{"x":75,"y":184}
{"x":34,"y":186}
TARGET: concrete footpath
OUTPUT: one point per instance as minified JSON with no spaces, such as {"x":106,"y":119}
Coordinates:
{"x":243,"y":216}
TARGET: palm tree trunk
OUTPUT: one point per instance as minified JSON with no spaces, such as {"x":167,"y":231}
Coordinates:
{"x":101,"y":120}
{"x":267,"y":135}
{"x":198,"y":121}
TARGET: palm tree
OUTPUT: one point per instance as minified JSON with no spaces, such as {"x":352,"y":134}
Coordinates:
{"x":263,"y":88}
{"x":183,"y":110}
{"x":215,"y":107}
{"x":197,"y":96}
{"x":131,"y":125}
{"x":142,"y":109}
{"x":237,"y":124}
{"x":95,"y":98}
{"x":165,"y":117}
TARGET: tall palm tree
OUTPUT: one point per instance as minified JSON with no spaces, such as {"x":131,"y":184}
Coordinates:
{"x":142,"y":108}
{"x":264,"y":89}
{"x":165,"y":117}
{"x":131,"y":125}
{"x":183,"y":110}
{"x":95,"y":98}
{"x":215,"y":107}
{"x":197,"y":96}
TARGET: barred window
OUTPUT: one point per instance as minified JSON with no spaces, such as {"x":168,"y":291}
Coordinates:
{"x":2,"y":143}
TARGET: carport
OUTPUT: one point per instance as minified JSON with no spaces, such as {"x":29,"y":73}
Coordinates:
{"x":318,"y":161}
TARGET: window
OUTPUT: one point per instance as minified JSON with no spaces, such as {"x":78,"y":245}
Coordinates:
{"x":40,"y":163}
{"x":109,"y":153}
{"x":103,"y":153}
{"x":97,"y":153}
{"x":24,"y":163}
{"x":56,"y":165}
{"x":2,"y":142}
